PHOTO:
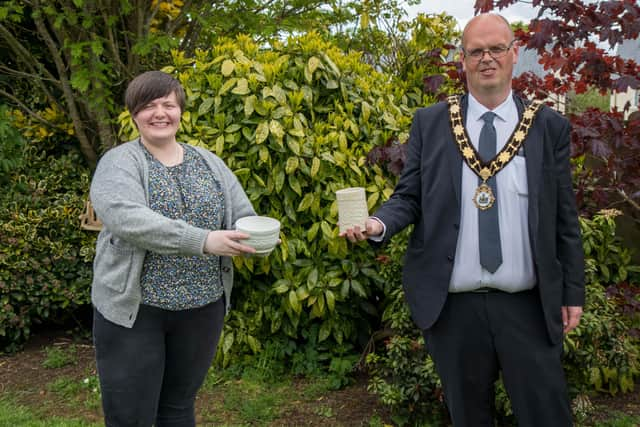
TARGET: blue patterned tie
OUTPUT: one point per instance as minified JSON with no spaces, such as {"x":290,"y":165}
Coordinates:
{"x":489,"y":229}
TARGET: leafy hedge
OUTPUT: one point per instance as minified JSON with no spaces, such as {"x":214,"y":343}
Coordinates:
{"x":295,"y":124}
{"x":45,"y":259}
{"x":601,"y":355}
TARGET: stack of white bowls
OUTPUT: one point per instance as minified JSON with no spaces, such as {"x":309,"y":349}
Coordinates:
{"x":263,"y":233}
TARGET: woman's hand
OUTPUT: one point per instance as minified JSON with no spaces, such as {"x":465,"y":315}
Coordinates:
{"x":227,"y":243}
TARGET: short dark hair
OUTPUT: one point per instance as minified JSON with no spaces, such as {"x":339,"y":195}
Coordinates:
{"x":149,"y":86}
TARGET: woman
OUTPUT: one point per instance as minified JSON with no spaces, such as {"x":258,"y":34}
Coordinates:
{"x":163,"y":270}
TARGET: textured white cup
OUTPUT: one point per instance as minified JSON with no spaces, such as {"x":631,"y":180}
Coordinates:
{"x":352,"y":208}
{"x":263,"y":232}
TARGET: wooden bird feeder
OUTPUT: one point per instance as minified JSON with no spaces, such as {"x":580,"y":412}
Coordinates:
{"x":88,"y":218}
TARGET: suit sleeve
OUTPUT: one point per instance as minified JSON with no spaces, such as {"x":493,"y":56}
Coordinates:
{"x":403,"y":207}
{"x":568,"y":238}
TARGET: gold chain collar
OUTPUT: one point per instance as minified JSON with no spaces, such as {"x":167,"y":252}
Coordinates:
{"x":508,"y":152}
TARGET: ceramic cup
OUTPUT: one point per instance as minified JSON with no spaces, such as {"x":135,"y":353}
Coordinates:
{"x":263,"y":233}
{"x":352,"y":208}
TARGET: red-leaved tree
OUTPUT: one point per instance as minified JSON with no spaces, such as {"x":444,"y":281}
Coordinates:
{"x":569,"y":37}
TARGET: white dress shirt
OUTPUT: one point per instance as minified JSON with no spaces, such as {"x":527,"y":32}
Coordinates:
{"x":516,"y":271}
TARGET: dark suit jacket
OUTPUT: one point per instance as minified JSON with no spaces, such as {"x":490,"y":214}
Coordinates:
{"x":428,"y":195}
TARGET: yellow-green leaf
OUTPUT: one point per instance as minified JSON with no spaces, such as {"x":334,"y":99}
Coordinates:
{"x":313,"y":231}
{"x":306,"y":202}
{"x":220,"y":145}
{"x":308,"y":75}
{"x":292,"y":165}
{"x":242,"y":87}
{"x":227,"y":86}
{"x":293,"y":146}
{"x":227,"y":67}
{"x":330,"y":63}
{"x":331,"y":299}
{"x":315,"y":166}
{"x":279,"y":94}
{"x":366,"y":111}
{"x":276,"y":129}
{"x":331,"y":84}
{"x":232,"y":128}
{"x":249,"y":105}
{"x":357,"y":288}
{"x":253,"y":343}
{"x":205,"y":106}
{"x":326,"y":229}
{"x":325,"y":331}
{"x":264,"y":154}
{"x":295,"y":185}
{"x":293,"y":301}
{"x":297,"y":132}
{"x":312,"y":278}
{"x":259,"y":180}
{"x":279,"y":180}
{"x":313,"y":64}
{"x":242,"y":172}
{"x":302,"y":293}
{"x":262,"y":132}
{"x":281,"y":286}
{"x":227,"y":342}
{"x":372,"y":200}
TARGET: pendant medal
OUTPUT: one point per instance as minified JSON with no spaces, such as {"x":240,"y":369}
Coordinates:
{"x":484,"y":198}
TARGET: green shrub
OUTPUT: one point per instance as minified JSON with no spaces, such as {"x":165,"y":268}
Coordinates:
{"x":400,"y":370}
{"x":45,"y":259}
{"x":11,"y":146}
{"x":601,"y":355}
{"x":295,"y":124}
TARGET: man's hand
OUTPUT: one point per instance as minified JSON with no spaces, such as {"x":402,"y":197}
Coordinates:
{"x":373,"y":228}
{"x":570,"y":317}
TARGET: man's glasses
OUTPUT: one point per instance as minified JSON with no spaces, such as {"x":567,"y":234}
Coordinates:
{"x":496,"y":52}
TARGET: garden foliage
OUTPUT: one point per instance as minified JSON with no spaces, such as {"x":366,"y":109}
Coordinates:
{"x":295,"y":124}
{"x":45,"y":259}
{"x":601,"y":355}
{"x":78,"y":55}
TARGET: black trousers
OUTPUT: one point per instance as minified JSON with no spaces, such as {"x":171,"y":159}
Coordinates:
{"x":480,"y":334}
{"x":150,"y":374}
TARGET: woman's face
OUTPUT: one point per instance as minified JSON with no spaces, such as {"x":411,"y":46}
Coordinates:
{"x":158,"y":121}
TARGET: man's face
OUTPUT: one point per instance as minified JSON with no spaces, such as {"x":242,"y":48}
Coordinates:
{"x":489,"y":73}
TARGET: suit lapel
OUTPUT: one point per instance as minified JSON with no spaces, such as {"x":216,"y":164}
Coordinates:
{"x":533,"y":148}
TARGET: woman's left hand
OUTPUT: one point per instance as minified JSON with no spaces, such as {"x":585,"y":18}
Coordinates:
{"x":227,"y":243}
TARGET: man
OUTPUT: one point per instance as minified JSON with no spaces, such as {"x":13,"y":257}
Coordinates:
{"x":493,"y":272}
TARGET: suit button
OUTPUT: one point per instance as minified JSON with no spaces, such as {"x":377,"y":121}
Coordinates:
{"x":456,"y":226}
{"x":450,"y":258}
{"x":225,"y":269}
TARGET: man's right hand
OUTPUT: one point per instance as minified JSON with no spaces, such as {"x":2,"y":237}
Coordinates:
{"x":373,"y":228}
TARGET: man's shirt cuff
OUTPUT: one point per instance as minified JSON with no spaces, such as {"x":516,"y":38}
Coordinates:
{"x":379,"y":238}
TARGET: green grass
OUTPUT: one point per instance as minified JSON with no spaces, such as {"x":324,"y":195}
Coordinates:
{"x":14,"y":415}
{"x":620,"y":420}
{"x":241,"y":397}
{"x":249,"y":397}
{"x":59,"y":357}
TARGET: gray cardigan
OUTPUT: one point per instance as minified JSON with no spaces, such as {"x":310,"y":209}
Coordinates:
{"x":120,"y":196}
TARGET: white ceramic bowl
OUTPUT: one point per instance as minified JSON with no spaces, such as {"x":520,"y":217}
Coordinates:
{"x":263,"y":232}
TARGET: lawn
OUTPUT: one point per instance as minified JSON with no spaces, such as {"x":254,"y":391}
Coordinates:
{"x":53,"y":382}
